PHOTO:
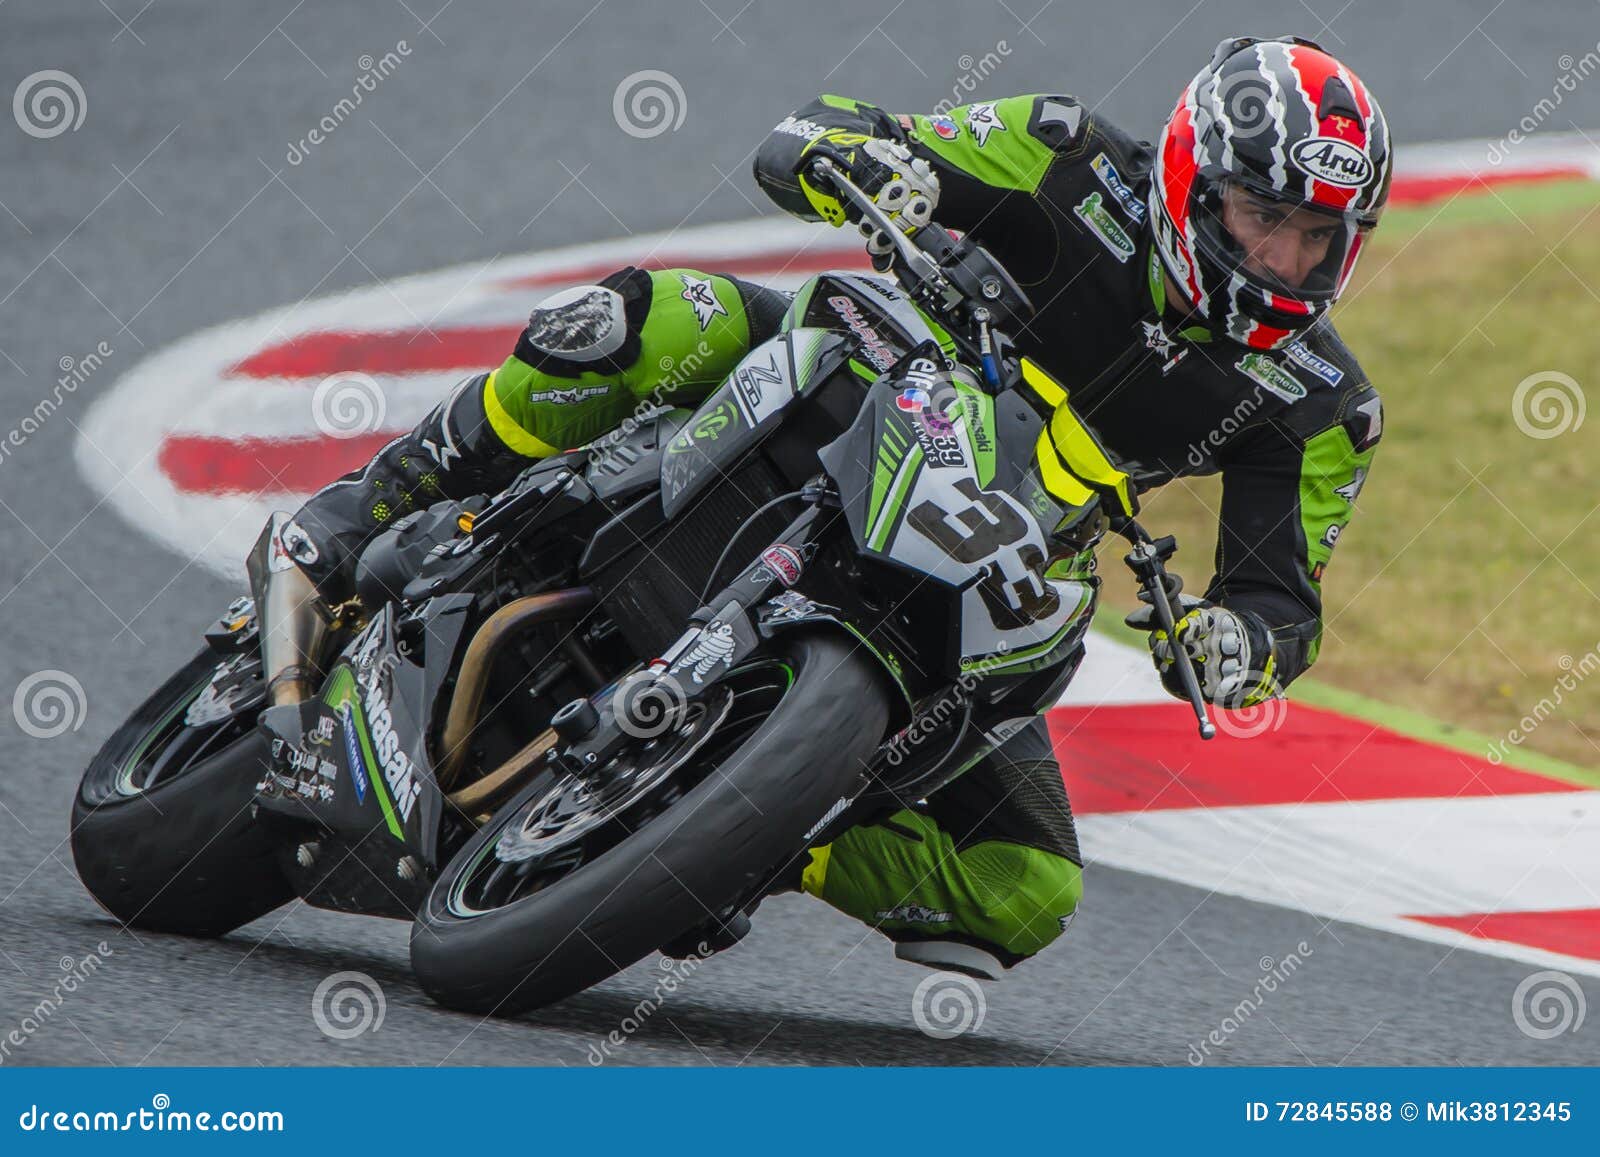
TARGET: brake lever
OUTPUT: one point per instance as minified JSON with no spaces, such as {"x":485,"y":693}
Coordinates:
{"x":1146,"y":561}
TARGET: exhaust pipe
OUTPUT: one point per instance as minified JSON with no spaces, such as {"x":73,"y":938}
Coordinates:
{"x":473,"y":682}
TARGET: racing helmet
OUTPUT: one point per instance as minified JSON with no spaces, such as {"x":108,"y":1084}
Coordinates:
{"x":1283,"y":132}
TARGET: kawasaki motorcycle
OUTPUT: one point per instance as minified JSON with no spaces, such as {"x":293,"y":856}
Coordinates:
{"x":571,"y":723}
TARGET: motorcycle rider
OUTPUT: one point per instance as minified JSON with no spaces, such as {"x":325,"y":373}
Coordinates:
{"x":1182,"y":293}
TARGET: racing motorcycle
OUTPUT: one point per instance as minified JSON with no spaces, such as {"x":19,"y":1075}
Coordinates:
{"x":565,"y":725}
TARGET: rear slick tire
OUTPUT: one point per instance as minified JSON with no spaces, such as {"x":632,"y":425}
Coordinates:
{"x":707,"y":850}
{"x":182,"y":855}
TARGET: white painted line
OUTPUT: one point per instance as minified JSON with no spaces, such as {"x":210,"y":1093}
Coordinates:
{"x":1375,"y":862}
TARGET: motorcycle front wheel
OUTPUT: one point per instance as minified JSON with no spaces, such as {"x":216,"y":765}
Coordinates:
{"x":571,"y":882}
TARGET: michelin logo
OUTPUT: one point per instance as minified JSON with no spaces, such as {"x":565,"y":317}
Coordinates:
{"x":1322,"y":367}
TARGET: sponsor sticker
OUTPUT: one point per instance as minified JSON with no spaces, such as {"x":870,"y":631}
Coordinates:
{"x":938,"y":448}
{"x":751,"y":389}
{"x":1322,"y":367}
{"x":946,"y":128}
{"x":352,"y":753}
{"x":714,"y":648}
{"x":790,"y":605}
{"x":913,"y":399}
{"x":783,"y":561}
{"x":711,"y":424}
{"x":1093,"y":213}
{"x":1270,"y":376}
{"x":1332,"y":160}
{"x":1117,"y":187}
{"x":915,"y":914}
{"x":796,"y":127}
{"x":568,"y":397}
{"x":873,"y":347}
{"x":297,"y":544}
{"x":975,"y":427}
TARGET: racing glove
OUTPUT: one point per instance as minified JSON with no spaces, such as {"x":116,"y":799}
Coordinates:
{"x":1231,"y":651}
{"x":902,"y":185}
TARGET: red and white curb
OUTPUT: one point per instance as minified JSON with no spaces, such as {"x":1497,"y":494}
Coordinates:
{"x":203,"y":439}
{"x":1331,"y":814}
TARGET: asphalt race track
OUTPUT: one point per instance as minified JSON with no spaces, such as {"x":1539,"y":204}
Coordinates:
{"x":175,"y":206}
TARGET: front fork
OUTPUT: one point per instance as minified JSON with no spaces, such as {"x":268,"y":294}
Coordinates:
{"x":292,"y":618}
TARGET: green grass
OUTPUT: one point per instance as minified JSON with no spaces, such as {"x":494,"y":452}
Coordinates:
{"x":1472,"y":567}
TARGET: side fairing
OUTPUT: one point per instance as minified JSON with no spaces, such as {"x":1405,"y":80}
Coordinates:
{"x":744,"y":409}
{"x":918,"y":474}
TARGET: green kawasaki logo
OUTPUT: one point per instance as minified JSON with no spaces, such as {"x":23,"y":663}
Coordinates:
{"x":1092,"y":212}
{"x":1270,"y":376}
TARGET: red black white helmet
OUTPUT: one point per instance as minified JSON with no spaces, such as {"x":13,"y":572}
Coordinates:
{"x":1291,"y":125}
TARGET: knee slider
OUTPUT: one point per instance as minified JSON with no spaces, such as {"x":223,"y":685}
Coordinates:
{"x":589,"y":328}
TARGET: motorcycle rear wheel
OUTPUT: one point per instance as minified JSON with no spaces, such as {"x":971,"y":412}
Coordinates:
{"x":162,"y":834}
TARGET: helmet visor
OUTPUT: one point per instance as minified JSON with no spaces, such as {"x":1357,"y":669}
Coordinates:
{"x":1297,"y":252}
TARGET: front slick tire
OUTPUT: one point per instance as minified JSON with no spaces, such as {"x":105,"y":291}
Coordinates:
{"x":708,"y":849}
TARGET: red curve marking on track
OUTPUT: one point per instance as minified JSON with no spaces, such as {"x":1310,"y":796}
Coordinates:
{"x":1569,"y":931}
{"x":1118,"y":759}
{"x":198,"y":464}
{"x":1421,"y":190}
{"x":397,"y":351}
{"x":771,"y":264}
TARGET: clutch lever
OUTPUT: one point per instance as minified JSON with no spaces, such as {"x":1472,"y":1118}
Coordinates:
{"x":918,"y":263}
